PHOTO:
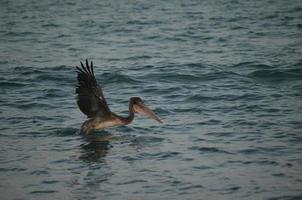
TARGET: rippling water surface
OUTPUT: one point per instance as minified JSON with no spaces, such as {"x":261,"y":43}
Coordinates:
{"x":224,"y":76}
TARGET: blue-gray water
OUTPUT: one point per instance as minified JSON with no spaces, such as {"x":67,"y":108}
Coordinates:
{"x":224,"y":76}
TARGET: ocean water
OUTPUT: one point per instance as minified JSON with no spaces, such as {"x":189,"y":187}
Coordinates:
{"x":224,"y":76}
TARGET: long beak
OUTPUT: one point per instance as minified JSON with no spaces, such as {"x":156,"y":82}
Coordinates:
{"x":142,"y":109}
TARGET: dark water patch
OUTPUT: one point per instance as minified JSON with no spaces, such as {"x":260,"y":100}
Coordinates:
{"x":219,"y":75}
{"x":13,"y":169}
{"x":49,"y":182}
{"x":135,"y":181}
{"x":100,"y":143}
{"x":233,"y":189}
{"x":228,"y":190}
{"x":277,"y":75}
{"x":202,"y":167}
{"x":200,"y":97}
{"x":140,"y":57}
{"x":299,"y":26}
{"x":29,"y":133}
{"x":65,"y":131}
{"x":190,"y":187}
{"x":210,"y":122}
{"x":254,"y":70}
{"x":238,"y":28}
{"x":188,"y":159}
{"x":253,"y":66}
{"x":297,"y":9}
{"x":168,"y":155}
{"x":221,"y":134}
{"x":3,"y":62}
{"x":25,"y":105}
{"x":288,"y":197}
{"x":271,"y":16}
{"x":59,"y":161}
{"x":266,"y":162}
{"x":28,"y":34}
{"x":208,"y":150}
{"x":279,"y":175}
{"x":274,"y":150}
{"x":251,"y":108}
{"x":96,"y":149}
{"x":50,"y":25}
{"x":296,"y":124}
{"x":43,"y":192}
{"x":10,"y":84}
{"x":17,"y":121}
{"x":38,"y":172}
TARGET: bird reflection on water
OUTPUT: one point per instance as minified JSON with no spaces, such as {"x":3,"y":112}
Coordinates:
{"x":96,"y":147}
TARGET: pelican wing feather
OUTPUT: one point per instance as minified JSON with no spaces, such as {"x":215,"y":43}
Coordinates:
{"x":90,"y":98}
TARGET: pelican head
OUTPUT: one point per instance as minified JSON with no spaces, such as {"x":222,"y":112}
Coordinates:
{"x":140,"y":108}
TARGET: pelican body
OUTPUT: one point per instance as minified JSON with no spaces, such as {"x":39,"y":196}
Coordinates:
{"x":92,"y":103}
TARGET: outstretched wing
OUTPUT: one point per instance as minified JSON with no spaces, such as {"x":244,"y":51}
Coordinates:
{"x":91,"y":100}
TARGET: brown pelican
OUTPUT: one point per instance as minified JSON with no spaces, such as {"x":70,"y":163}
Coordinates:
{"x":92,"y":103}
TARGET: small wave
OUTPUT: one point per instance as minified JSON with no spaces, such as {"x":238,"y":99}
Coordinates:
{"x":29,"y":105}
{"x":171,"y":77}
{"x":191,"y":187}
{"x":159,"y":156}
{"x":56,"y":74}
{"x":277,"y":74}
{"x":66,"y":131}
{"x":252,"y":65}
{"x":203,"y":167}
{"x":10,"y":84}
{"x":50,"y":182}
{"x":273,"y":150}
{"x":50,"y":25}
{"x":208,"y":150}
{"x":288,"y":197}
{"x":43,"y":191}
{"x":13,"y":169}
{"x":21,"y":34}
{"x":297,"y":9}
{"x":143,"y":140}
{"x":223,"y":97}
{"x":3,"y":62}
{"x":23,"y":70}
{"x":139,"y":181}
{"x":39,"y":172}
{"x":118,"y":78}
{"x":271,"y":16}
{"x":53,"y":93}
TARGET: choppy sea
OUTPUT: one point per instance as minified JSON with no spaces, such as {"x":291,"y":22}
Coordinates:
{"x":224,"y":76}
